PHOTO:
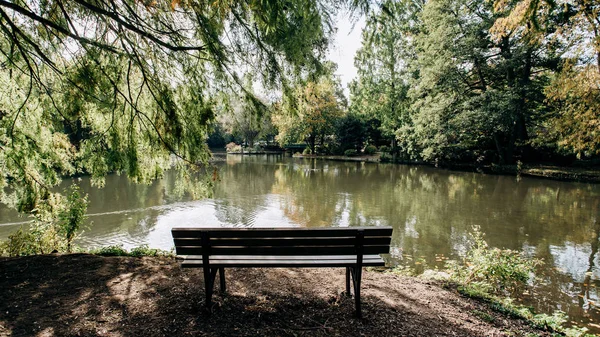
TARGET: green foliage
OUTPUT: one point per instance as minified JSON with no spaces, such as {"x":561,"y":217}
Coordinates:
{"x":145,"y":98}
{"x":22,"y":242}
{"x":370,"y":149}
{"x":314,"y":116}
{"x":140,"y":251}
{"x":483,"y":315}
{"x":350,"y":133}
{"x":144,"y":250}
{"x":380,"y":90}
{"x":386,"y":157}
{"x":384,"y":148}
{"x":72,"y":216}
{"x":306,"y":151}
{"x":245,"y":116}
{"x":110,"y":251}
{"x":55,"y":223}
{"x":476,"y":81}
{"x":233,"y":148}
{"x":576,"y":96}
{"x":350,"y":153}
{"x":491,"y":273}
{"x":493,"y":270}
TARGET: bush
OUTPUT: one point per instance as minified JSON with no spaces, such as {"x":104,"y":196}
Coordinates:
{"x":385,"y":157}
{"x":493,"y":270}
{"x":19,"y":243}
{"x":140,"y":251}
{"x":144,"y":250}
{"x":384,"y":148}
{"x":72,"y":217}
{"x":490,"y":273}
{"x":53,"y":228}
{"x":233,"y":147}
{"x":109,"y":251}
{"x":350,"y":153}
{"x":370,"y":150}
{"x":306,"y":151}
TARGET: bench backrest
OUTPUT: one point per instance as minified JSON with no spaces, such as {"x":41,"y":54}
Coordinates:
{"x":282,"y":241}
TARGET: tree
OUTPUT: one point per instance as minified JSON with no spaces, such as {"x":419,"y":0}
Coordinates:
{"x":350,"y":133}
{"x":382,"y":65}
{"x":574,"y":125}
{"x":122,"y":85}
{"x":475,"y":95}
{"x":246,"y":117}
{"x":314,"y":116}
{"x":575,"y":93}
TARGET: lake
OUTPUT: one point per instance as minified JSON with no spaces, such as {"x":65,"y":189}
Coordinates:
{"x":432,"y":212}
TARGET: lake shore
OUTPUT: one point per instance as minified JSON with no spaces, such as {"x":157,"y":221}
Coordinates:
{"x":562,"y":173}
{"x":88,"y":295}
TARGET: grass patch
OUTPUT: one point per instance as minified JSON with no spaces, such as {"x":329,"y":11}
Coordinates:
{"x":483,"y":315}
{"x":140,"y":251}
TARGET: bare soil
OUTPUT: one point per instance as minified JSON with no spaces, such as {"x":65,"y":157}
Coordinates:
{"x":87,"y":295}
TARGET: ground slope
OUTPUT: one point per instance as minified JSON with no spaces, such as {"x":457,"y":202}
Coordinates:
{"x":86,"y":295}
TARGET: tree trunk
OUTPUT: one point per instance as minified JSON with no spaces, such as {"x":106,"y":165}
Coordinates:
{"x":499,"y":149}
{"x":311,"y":143}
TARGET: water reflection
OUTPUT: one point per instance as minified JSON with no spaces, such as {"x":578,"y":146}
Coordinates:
{"x":432,"y":212}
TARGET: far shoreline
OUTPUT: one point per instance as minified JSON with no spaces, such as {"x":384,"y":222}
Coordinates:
{"x":545,"y":171}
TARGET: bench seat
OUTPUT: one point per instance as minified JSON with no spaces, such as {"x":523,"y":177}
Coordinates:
{"x":282,"y":261}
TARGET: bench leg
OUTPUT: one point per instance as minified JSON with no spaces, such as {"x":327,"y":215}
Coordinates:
{"x":208,"y":286}
{"x":348,"y":282}
{"x":222,"y":279}
{"x":356,"y":278}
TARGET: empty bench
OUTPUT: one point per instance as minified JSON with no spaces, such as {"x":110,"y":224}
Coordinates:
{"x":214,"y":249}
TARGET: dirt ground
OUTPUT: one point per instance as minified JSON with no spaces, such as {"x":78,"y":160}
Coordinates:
{"x":86,"y":295}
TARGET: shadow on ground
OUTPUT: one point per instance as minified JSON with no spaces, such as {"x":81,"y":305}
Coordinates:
{"x":85,"y":295}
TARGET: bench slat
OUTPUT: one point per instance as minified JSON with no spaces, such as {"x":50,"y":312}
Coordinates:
{"x":280,"y":257}
{"x":274,"y":242}
{"x":330,"y":250}
{"x":279,"y":232}
{"x":283,"y":262}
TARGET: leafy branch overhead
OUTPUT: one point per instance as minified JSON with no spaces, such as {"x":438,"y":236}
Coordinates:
{"x":126,"y":86}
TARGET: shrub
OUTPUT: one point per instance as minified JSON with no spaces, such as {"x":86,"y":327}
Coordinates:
{"x":144,"y":250}
{"x":490,"y":273}
{"x":140,"y":251}
{"x":385,"y":157}
{"x":19,"y":243}
{"x":233,"y":147}
{"x":370,"y":149}
{"x":384,"y":148}
{"x":350,"y":153}
{"x":72,"y":217}
{"x":110,"y":251}
{"x":53,"y":228}
{"x":306,"y":151}
{"x":494,"y":270}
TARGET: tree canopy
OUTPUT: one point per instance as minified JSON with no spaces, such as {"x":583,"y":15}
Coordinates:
{"x":130,"y":86}
{"x":479,"y":82}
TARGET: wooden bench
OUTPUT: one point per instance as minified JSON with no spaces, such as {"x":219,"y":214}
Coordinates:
{"x":213,"y":249}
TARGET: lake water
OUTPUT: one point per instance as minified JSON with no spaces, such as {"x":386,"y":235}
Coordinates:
{"x":432,"y":212}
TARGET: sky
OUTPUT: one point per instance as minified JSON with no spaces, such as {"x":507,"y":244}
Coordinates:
{"x":346,"y":43}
